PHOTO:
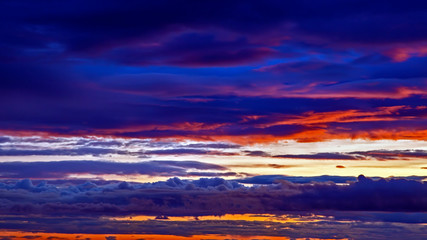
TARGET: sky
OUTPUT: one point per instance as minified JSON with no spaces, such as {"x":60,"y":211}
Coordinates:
{"x":251,"y":92}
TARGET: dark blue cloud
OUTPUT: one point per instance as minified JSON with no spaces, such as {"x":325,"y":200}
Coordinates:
{"x":211,"y":197}
{"x":4,"y":139}
{"x":270,"y":179}
{"x":393,"y":154}
{"x":355,"y":21}
{"x":256,"y":153}
{"x":178,"y":151}
{"x":104,"y":144}
{"x":322,"y":156}
{"x":61,"y":152}
{"x":214,"y":145}
{"x":62,"y":169}
{"x":193,"y":49}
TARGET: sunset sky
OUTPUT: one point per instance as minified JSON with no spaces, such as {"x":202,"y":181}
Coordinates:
{"x":240,"y":92}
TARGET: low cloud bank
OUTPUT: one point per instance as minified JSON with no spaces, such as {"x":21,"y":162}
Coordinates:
{"x":209,"y":196}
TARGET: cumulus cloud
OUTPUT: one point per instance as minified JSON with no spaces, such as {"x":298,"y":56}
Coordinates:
{"x":210,"y":196}
{"x":269,"y":179}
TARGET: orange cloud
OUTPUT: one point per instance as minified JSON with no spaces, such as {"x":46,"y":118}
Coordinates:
{"x":402,"y":54}
{"x":307,"y":127}
{"x":345,"y":116}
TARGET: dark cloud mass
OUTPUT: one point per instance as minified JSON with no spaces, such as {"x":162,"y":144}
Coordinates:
{"x":210,"y":196}
{"x":269,"y":179}
{"x":62,"y":169}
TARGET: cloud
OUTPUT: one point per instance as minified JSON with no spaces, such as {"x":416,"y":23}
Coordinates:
{"x":270,"y":179}
{"x":324,"y":225}
{"x":380,"y":155}
{"x":197,"y":71}
{"x":188,"y":151}
{"x":63,"y":169}
{"x":60,"y":152}
{"x":63,"y":146}
{"x":104,"y":144}
{"x":192,"y":50}
{"x":260,"y":165}
{"x":210,"y":197}
{"x":321,"y":156}
{"x":393,"y":154}
{"x":214,"y":145}
{"x":256,"y":153}
{"x":119,"y":24}
{"x":4,"y":139}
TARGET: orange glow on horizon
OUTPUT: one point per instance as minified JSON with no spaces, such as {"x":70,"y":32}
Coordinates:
{"x":19,"y":235}
{"x":230,"y":217}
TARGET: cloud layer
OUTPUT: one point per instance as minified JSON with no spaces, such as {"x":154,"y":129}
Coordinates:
{"x":327,"y":225}
{"x":148,"y":148}
{"x":63,"y":169}
{"x":209,"y":196}
{"x":241,"y":71}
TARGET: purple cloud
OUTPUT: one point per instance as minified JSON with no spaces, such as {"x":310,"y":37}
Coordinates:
{"x":62,"y":169}
{"x":211,"y":197}
{"x":322,"y":156}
